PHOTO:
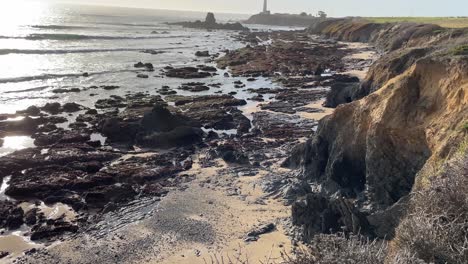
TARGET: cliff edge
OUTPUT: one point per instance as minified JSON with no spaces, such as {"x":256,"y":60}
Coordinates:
{"x":407,"y":117}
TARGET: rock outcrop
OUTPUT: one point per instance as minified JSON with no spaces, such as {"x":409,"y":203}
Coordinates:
{"x":211,"y":24}
{"x":399,"y":123}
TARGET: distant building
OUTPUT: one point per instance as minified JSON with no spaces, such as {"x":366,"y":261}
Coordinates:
{"x":265,"y":8}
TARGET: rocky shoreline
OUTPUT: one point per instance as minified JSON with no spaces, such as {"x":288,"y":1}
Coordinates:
{"x":211,"y":24}
{"x":119,"y":158}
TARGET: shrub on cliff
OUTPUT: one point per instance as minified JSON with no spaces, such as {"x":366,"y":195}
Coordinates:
{"x":460,"y":50}
{"x":465,"y":127}
{"x":436,"y":228}
{"x":338,"y":249}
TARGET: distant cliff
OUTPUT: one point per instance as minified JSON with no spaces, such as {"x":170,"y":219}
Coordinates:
{"x":282,"y":20}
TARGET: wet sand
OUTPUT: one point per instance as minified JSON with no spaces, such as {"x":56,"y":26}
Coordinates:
{"x":15,"y":244}
{"x":364,"y":52}
{"x":324,"y":111}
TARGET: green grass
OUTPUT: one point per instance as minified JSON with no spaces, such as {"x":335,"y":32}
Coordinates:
{"x":448,"y":22}
{"x":463,"y":148}
{"x":460,"y":50}
{"x":465,"y":126}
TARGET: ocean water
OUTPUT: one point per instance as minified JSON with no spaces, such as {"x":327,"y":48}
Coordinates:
{"x":44,"y":47}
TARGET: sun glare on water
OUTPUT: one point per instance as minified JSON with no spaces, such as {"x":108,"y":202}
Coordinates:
{"x":20,"y":12}
{"x":14,"y":143}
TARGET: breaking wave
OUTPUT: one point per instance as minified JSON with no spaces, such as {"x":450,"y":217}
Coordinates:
{"x":67,"y":51}
{"x":81,"y":37}
{"x":54,"y":76}
{"x":56,"y":27}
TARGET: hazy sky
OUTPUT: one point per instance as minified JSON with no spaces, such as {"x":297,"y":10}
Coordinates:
{"x":333,"y":7}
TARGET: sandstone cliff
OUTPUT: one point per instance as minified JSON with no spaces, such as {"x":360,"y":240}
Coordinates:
{"x":407,"y":117}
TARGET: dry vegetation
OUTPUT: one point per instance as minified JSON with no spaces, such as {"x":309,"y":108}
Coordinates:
{"x":434,"y":231}
{"x":448,"y":22}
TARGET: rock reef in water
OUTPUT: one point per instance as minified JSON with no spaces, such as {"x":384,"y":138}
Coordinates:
{"x":211,"y":24}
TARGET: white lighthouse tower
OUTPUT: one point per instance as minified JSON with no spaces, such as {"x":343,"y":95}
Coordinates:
{"x":265,"y":8}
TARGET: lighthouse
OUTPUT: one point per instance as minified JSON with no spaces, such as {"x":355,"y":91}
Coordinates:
{"x":265,"y":8}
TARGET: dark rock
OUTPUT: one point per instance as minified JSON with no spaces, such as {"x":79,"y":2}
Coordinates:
{"x":187,"y":73}
{"x":275,"y":125}
{"x":178,"y":137}
{"x":114,"y":102}
{"x":94,"y":143}
{"x":11,"y":215}
{"x":117,"y":131}
{"x":148,"y":66}
{"x":52,"y":108}
{"x":202,"y":53}
{"x":196,"y":88}
{"x":153,"y":52}
{"x":30,"y":218}
{"x":258,"y":98}
{"x":317,"y":214}
{"x":72,"y":107}
{"x":210,"y":24}
{"x":319,"y":70}
{"x":210,"y":19}
{"x":91,"y":112}
{"x":232,"y":154}
{"x":154,"y":189}
{"x":55,"y":228}
{"x":208,"y":68}
{"x":62,"y":90}
{"x":61,"y":137}
{"x":264,"y":229}
{"x":32,"y":111}
{"x":144,"y":76}
{"x":109,"y":87}
{"x":161,"y":120}
{"x":47,"y":128}
{"x":89,"y":167}
{"x":102,"y":195}
{"x":340,"y":93}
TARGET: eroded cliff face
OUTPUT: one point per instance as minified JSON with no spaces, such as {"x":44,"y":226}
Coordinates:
{"x":366,"y":157}
{"x":401,"y":46}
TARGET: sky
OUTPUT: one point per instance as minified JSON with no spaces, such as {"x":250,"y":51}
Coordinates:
{"x":332,"y":7}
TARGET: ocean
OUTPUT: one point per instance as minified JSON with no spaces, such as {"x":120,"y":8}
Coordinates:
{"x":46,"y":47}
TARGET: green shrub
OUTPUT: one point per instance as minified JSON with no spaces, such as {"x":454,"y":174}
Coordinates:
{"x":460,"y":50}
